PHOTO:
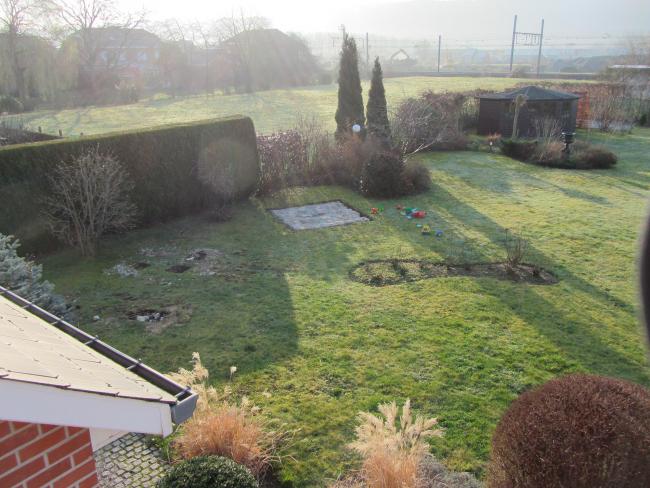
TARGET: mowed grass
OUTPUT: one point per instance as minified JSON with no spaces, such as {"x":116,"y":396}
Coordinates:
{"x":271,"y":110}
{"x":312,"y":347}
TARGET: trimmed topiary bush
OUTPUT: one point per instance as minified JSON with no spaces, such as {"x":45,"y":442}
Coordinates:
{"x":208,"y":472}
{"x":161,"y":162}
{"x":581,"y":431}
{"x":416,"y":178}
{"x":382,"y":174}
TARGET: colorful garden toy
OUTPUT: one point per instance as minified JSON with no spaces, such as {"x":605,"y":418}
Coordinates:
{"x":419,"y":214}
{"x":438,"y":233}
{"x":374,"y":210}
{"x":426,"y":230}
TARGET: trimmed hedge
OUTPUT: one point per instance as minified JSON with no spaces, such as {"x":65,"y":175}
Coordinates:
{"x":162,"y":161}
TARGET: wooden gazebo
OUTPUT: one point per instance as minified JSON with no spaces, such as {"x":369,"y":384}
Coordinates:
{"x":497,"y":110}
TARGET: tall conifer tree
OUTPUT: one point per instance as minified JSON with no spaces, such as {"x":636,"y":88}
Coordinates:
{"x":350,"y":101}
{"x":377,"y":110}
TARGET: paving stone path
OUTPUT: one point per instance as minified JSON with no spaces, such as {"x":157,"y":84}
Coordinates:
{"x":129,"y":462}
{"x":317,"y":216}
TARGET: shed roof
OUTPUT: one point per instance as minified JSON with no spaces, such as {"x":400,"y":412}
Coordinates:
{"x":33,"y":351}
{"x":532,"y":93}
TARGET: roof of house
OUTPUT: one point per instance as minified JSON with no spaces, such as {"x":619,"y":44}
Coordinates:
{"x":33,"y":351}
{"x":532,"y":93}
{"x":40,"y":350}
{"x":122,"y":37}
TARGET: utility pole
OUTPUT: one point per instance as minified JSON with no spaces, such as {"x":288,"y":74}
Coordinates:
{"x":512,"y":49}
{"x":539,"y":53}
{"x":367,"y":53}
{"x":439,"y":43}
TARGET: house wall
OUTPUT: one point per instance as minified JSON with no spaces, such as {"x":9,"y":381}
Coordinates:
{"x":41,"y":455}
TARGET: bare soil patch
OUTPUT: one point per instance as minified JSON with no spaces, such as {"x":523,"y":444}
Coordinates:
{"x":156,"y":320}
{"x":393,"y":271}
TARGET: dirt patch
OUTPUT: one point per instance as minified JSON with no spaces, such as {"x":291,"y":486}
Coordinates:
{"x":140,"y":265}
{"x":393,"y":271}
{"x":178,"y":268}
{"x":157,"y":320}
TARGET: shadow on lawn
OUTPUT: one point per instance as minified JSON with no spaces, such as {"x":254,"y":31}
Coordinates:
{"x":242,"y":314}
{"x":574,"y":336}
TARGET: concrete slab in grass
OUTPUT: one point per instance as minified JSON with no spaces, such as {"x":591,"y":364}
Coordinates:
{"x":318,"y":216}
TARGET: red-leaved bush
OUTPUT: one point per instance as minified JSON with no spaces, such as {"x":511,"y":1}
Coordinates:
{"x":578,"y":431}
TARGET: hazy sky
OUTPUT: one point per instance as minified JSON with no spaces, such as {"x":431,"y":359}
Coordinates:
{"x":484,"y":19}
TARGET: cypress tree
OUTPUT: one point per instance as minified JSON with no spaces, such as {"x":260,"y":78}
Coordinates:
{"x":377,"y":110}
{"x":350,"y":101}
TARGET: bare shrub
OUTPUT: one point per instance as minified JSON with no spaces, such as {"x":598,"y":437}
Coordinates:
{"x":549,"y":153}
{"x":581,"y":431}
{"x":90,"y":197}
{"x":429,"y":121}
{"x":516,"y":247}
{"x":547,"y":129}
{"x":222,"y":427}
{"x":393,"y":445}
{"x":608,"y":108}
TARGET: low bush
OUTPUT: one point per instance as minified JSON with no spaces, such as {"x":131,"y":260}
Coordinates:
{"x":520,"y":149}
{"x":162,"y":163}
{"x":25,"y":278}
{"x":416,"y":178}
{"x":587,"y":156}
{"x":223,"y":427}
{"x":581,"y":431}
{"x":208,"y":472}
{"x":383,"y":174}
{"x":10,"y":105}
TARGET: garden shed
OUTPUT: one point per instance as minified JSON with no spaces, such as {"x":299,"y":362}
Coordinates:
{"x":497,"y":110}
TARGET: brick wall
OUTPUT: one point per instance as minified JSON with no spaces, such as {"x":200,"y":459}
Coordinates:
{"x":39,"y":455}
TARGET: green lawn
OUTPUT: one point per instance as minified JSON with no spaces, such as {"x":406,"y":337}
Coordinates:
{"x":271,"y":110}
{"x":313,"y":348}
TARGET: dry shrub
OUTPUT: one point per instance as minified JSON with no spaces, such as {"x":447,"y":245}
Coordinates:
{"x":393,"y":446}
{"x":91,"y":196}
{"x":343,"y":163}
{"x":223,"y":427}
{"x":581,"y":431}
{"x":516,"y":247}
{"x":589,"y":156}
{"x":549,"y":153}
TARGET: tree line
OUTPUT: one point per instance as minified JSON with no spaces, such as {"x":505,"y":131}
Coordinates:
{"x":73,"y":52}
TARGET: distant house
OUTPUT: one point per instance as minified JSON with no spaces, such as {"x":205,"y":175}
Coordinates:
{"x":66,"y":394}
{"x":496,"y":111}
{"x":130,"y":54}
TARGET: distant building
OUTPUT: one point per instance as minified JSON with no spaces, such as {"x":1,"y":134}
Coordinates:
{"x":129,"y":54}
{"x":65,"y":395}
{"x":496,"y":111}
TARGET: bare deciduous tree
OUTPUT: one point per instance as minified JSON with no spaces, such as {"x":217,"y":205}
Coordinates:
{"x":16,"y":17}
{"x":90,"y":197}
{"x":81,"y":18}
